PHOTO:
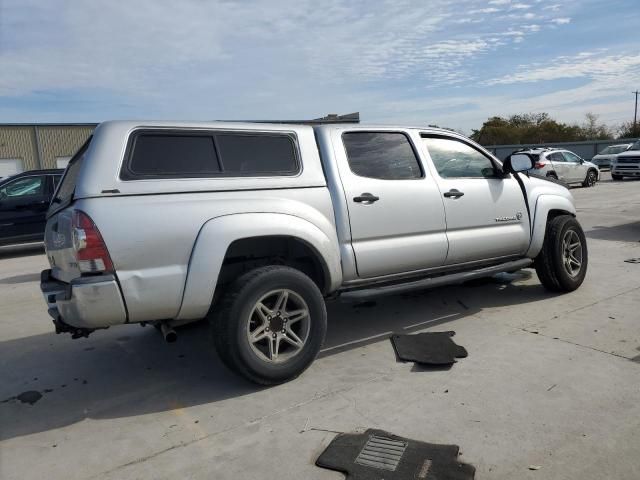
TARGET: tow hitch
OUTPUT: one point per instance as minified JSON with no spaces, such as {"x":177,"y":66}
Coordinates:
{"x":62,"y":327}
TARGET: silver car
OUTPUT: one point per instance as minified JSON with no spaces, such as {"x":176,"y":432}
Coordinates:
{"x":563,"y":165}
{"x":608,"y":154}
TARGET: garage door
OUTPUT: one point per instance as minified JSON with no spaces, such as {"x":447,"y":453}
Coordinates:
{"x":62,"y":162}
{"x":10,"y":166}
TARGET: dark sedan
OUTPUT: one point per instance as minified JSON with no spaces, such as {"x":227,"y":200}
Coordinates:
{"x":24,"y":200}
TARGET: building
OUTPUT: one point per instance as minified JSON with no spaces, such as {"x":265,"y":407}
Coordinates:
{"x":50,"y":145}
{"x":30,"y":147}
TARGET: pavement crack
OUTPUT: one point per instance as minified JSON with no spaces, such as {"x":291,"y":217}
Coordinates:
{"x":574,"y":343}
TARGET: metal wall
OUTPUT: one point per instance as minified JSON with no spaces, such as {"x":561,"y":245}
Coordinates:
{"x":38,"y":146}
{"x":584,"y":149}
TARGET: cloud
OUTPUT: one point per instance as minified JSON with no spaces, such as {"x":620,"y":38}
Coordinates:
{"x":484,"y":10}
{"x":591,"y":65}
{"x":390,"y":59}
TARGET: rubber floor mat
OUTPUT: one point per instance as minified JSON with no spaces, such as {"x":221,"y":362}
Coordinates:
{"x":430,"y":348}
{"x":379,"y":455}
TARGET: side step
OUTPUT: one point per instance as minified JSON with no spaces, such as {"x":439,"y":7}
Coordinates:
{"x":450,"y":279}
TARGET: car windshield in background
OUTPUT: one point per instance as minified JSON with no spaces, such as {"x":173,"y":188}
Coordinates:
{"x":64,"y":192}
{"x":613,"y":149}
{"x":635,"y":146}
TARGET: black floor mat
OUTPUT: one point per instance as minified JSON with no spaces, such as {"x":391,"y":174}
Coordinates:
{"x":379,"y":455}
{"x":430,"y":348}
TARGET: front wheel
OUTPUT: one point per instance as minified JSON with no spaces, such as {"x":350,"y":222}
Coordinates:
{"x":591,"y":179}
{"x":270,"y":324}
{"x":561,"y":265}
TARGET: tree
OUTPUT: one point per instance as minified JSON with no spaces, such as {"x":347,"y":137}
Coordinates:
{"x":592,"y":130}
{"x":531,"y":128}
{"x":626,"y":130}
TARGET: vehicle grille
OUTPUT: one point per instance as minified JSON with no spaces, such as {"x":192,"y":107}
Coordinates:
{"x":381,"y":452}
{"x":629,"y":160}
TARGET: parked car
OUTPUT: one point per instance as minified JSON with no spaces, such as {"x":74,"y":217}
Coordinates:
{"x":563,"y":165}
{"x":606,"y":155}
{"x":252,"y":225}
{"x":24,"y":200}
{"x":627,"y":164}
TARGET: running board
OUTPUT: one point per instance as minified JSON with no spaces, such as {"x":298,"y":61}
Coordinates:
{"x":450,"y":279}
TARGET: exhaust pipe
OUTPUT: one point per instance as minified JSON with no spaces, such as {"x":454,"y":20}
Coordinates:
{"x":168,"y":333}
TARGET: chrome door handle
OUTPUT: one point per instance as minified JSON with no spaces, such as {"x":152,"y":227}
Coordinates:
{"x":453,"y":193}
{"x":366,"y":198}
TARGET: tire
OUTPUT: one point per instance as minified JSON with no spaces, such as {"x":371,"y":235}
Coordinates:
{"x":591,"y":179}
{"x":552,"y":175}
{"x":616,"y":177}
{"x":250,"y":305}
{"x":556,"y":269}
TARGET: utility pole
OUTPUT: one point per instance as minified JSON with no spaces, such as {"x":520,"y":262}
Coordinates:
{"x":635,"y":114}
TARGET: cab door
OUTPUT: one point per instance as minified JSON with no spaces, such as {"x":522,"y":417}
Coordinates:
{"x":485,"y":211}
{"x":576,"y":171}
{"x":395,"y":209}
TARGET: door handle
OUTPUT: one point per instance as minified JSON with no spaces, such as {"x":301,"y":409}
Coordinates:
{"x":453,"y":193}
{"x":366,"y":198}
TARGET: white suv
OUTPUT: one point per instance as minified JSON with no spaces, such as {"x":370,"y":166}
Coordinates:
{"x":563,"y":165}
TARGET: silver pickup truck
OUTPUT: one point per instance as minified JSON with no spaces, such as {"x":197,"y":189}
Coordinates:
{"x":252,"y":226}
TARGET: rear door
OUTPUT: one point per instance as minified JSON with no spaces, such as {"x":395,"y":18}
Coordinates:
{"x":395,"y":209}
{"x":485,"y":212}
{"x":23,"y":205}
{"x":559,"y":165}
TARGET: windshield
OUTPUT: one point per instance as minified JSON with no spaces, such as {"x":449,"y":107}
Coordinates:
{"x":613,"y":149}
{"x":635,"y":146}
{"x":66,"y":187}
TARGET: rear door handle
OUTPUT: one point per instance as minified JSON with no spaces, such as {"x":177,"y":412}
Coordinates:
{"x":453,"y":193}
{"x":366,"y":198}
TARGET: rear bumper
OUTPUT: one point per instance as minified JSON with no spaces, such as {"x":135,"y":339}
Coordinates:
{"x":85,"y":303}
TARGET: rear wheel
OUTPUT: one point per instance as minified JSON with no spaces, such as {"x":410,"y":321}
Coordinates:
{"x":616,"y":177}
{"x":270,"y":324}
{"x":561,"y":265}
{"x":591,"y":179}
{"x":552,"y":175}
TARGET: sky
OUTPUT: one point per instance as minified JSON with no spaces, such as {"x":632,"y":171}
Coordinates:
{"x":450,"y":63}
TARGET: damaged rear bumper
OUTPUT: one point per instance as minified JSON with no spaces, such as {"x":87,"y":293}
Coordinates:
{"x":83,"y":305}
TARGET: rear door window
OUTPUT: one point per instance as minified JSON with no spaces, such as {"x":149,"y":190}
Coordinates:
{"x":381,"y":155}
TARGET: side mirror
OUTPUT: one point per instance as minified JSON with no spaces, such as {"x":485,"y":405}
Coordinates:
{"x":518,"y":162}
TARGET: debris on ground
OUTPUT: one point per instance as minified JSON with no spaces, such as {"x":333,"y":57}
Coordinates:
{"x":377,"y":455}
{"x":429,"y":348}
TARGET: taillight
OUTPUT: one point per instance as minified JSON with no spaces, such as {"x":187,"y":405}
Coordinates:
{"x":91,"y":252}
{"x":538,"y":165}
